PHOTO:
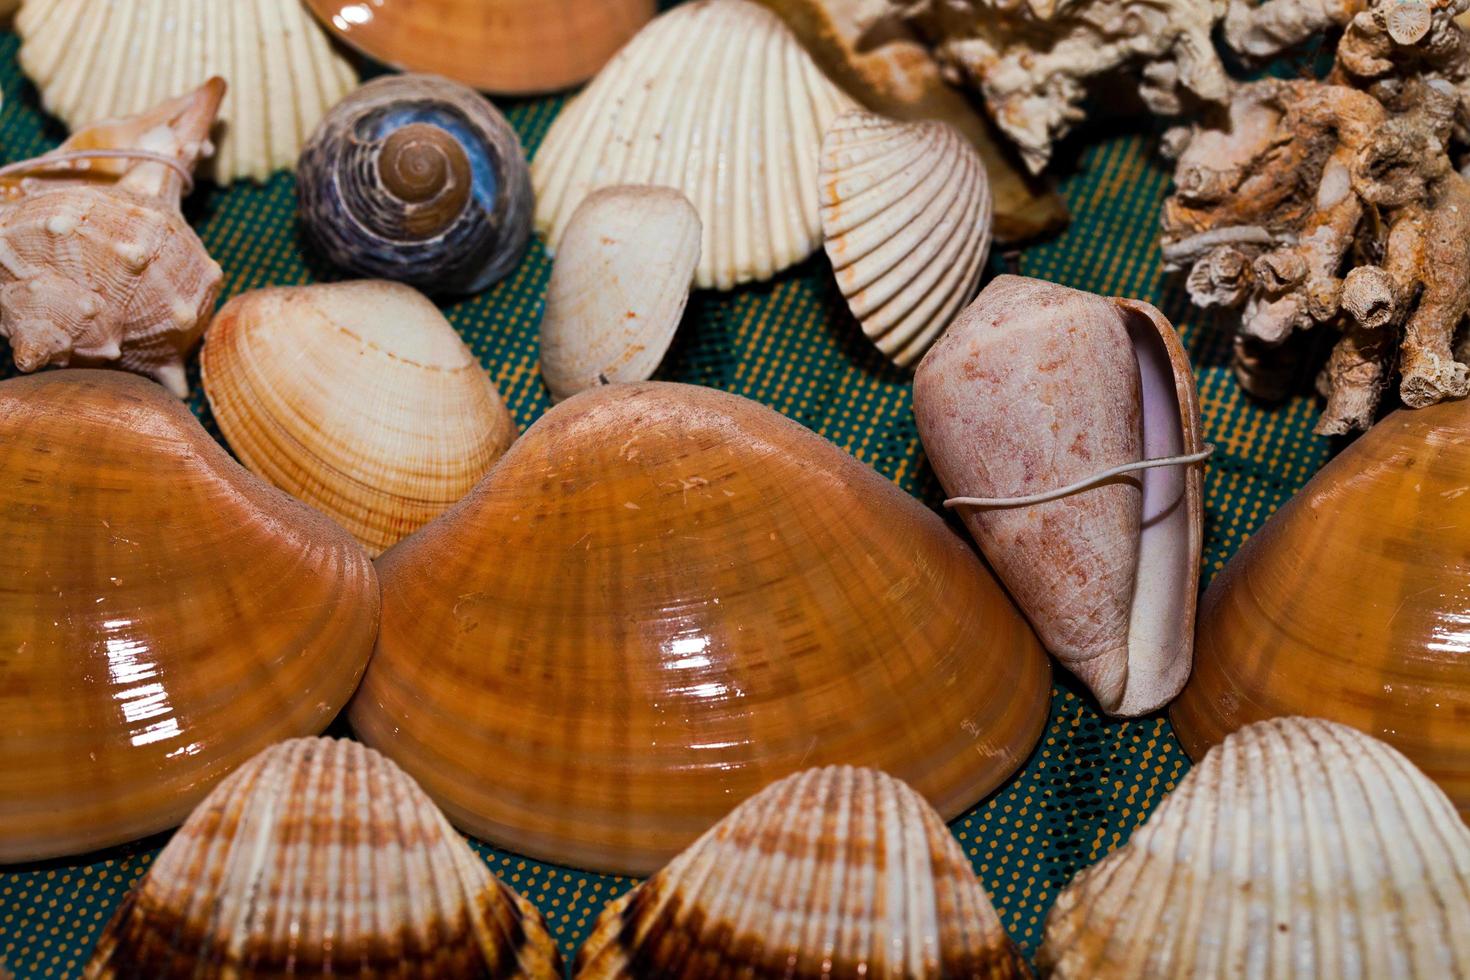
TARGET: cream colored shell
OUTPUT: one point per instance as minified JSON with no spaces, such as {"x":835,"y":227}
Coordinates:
{"x":93,"y":60}
{"x":1297,"y":848}
{"x":358,"y":398}
{"x":715,"y":98}
{"x":618,"y":288}
{"x":906,"y":219}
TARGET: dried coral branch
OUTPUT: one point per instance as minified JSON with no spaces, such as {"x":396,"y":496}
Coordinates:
{"x":1261,"y":31}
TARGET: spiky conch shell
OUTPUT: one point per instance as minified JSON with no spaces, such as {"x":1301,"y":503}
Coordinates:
{"x":1297,"y":848}
{"x":906,"y":218}
{"x":715,"y":98}
{"x":835,"y":872}
{"x":95,"y":61}
{"x":319,"y":858}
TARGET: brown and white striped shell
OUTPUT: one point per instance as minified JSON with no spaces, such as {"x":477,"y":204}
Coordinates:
{"x":321,"y":858}
{"x":835,"y":872}
{"x":1297,"y":848}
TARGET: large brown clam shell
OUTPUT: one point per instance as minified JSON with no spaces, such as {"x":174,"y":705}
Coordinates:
{"x":164,"y":615}
{"x":664,"y":597}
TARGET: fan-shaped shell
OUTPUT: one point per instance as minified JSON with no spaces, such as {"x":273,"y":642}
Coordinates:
{"x":1035,"y":387}
{"x":518,"y":47}
{"x":664,"y":597}
{"x":164,"y":616}
{"x":415,"y":178}
{"x":1353,"y":603}
{"x":358,"y":398}
{"x":906,"y":220}
{"x":320,"y":858}
{"x":94,"y":61}
{"x":1297,"y":848}
{"x":618,"y":288}
{"x":835,"y":872}
{"x":717,"y":99}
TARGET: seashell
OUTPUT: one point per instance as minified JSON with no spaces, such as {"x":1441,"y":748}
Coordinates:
{"x":418,"y":179}
{"x":97,"y":265}
{"x":320,"y":858}
{"x":517,"y":47}
{"x":906,"y":223}
{"x":732,"y":598}
{"x":94,"y":61}
{"x":357,"y":398}
{"x":1349,"y":603}
{"x":835,"y":872}
{"x":618,"y":288}
{"x":165,"y":614}
{"x":1297,"y":848}
{"x":1036,"y":386}
{"x":715,"y":98}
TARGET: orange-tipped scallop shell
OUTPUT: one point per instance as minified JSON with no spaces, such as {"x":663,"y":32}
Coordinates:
{"x":320,"y":858}
{"x":164,"y":615}
{"x":829,"y":873}
{"x":664,"y":597}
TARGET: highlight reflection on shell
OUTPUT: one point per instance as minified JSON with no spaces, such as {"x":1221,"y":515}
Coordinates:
{"x":165,"y":614}
{"x":415,"y":178}
{"x":358,"y":398}
{"x":320,"y":858}
{"x":732,"y":598}
{"x":1297,"y":848}
{"x":835,"y":872}
{"x":1350,"y":603}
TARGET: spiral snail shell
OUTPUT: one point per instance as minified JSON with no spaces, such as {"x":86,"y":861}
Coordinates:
{"x":416,"y":178}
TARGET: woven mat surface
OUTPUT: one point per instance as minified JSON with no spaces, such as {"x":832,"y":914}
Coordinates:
{"x":792,"y":345}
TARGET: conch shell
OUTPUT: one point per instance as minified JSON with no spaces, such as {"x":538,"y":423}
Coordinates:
{"x":662,"y":598}
{"x":97,"y":264}
{"x":357,"y":398}
{"x":835,"y":872}
{"x":1297,"y":848}
{"x":165,"y":615}
{"x":1036,"y":386}
{"x":320,"y":858}
{"x":1350,"y":603}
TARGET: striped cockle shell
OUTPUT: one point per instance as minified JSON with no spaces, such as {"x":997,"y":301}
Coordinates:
{"x":1297,"y":848}
{"x":835,"y":872}
{"x":715,"y":98}
{"x":906,"y":219}
{"x":321,"y":858}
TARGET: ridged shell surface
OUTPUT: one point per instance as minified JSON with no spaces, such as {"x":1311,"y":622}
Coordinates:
{"x":835,"y":872}
{"x":906,"y":218}
{"x":664,"y":597}
{"x":164,"y":615}
{"x":1297,"y":848}
{"x":715,"y":98}
{"x":320,"y":858}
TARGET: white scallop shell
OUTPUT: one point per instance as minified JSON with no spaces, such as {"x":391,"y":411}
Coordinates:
{"x":1297,"y":848}
{"x":835,"y":872}
{"x":718,"y":99}
{"x":906,"y":218}
{"x":618,"y":288}
{"x":320,"y":857}
{"x":93,"y":60}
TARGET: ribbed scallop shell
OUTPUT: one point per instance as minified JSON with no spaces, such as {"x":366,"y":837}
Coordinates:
{"x":906,"y":219}
{"x":715,"y":98}
{"x":320,"y":858}
{"x":1297,"y":848}
{"x":96,"y":60}
{"x":468,"y":223}
{"x":358,"y":398}
{"x":835,"y":872}
{"x":618,"y":288}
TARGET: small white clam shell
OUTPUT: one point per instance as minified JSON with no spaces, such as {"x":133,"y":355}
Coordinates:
{"x":618,"y":288}
{"x":906,"y":219}
{"x":1297,"y":848}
